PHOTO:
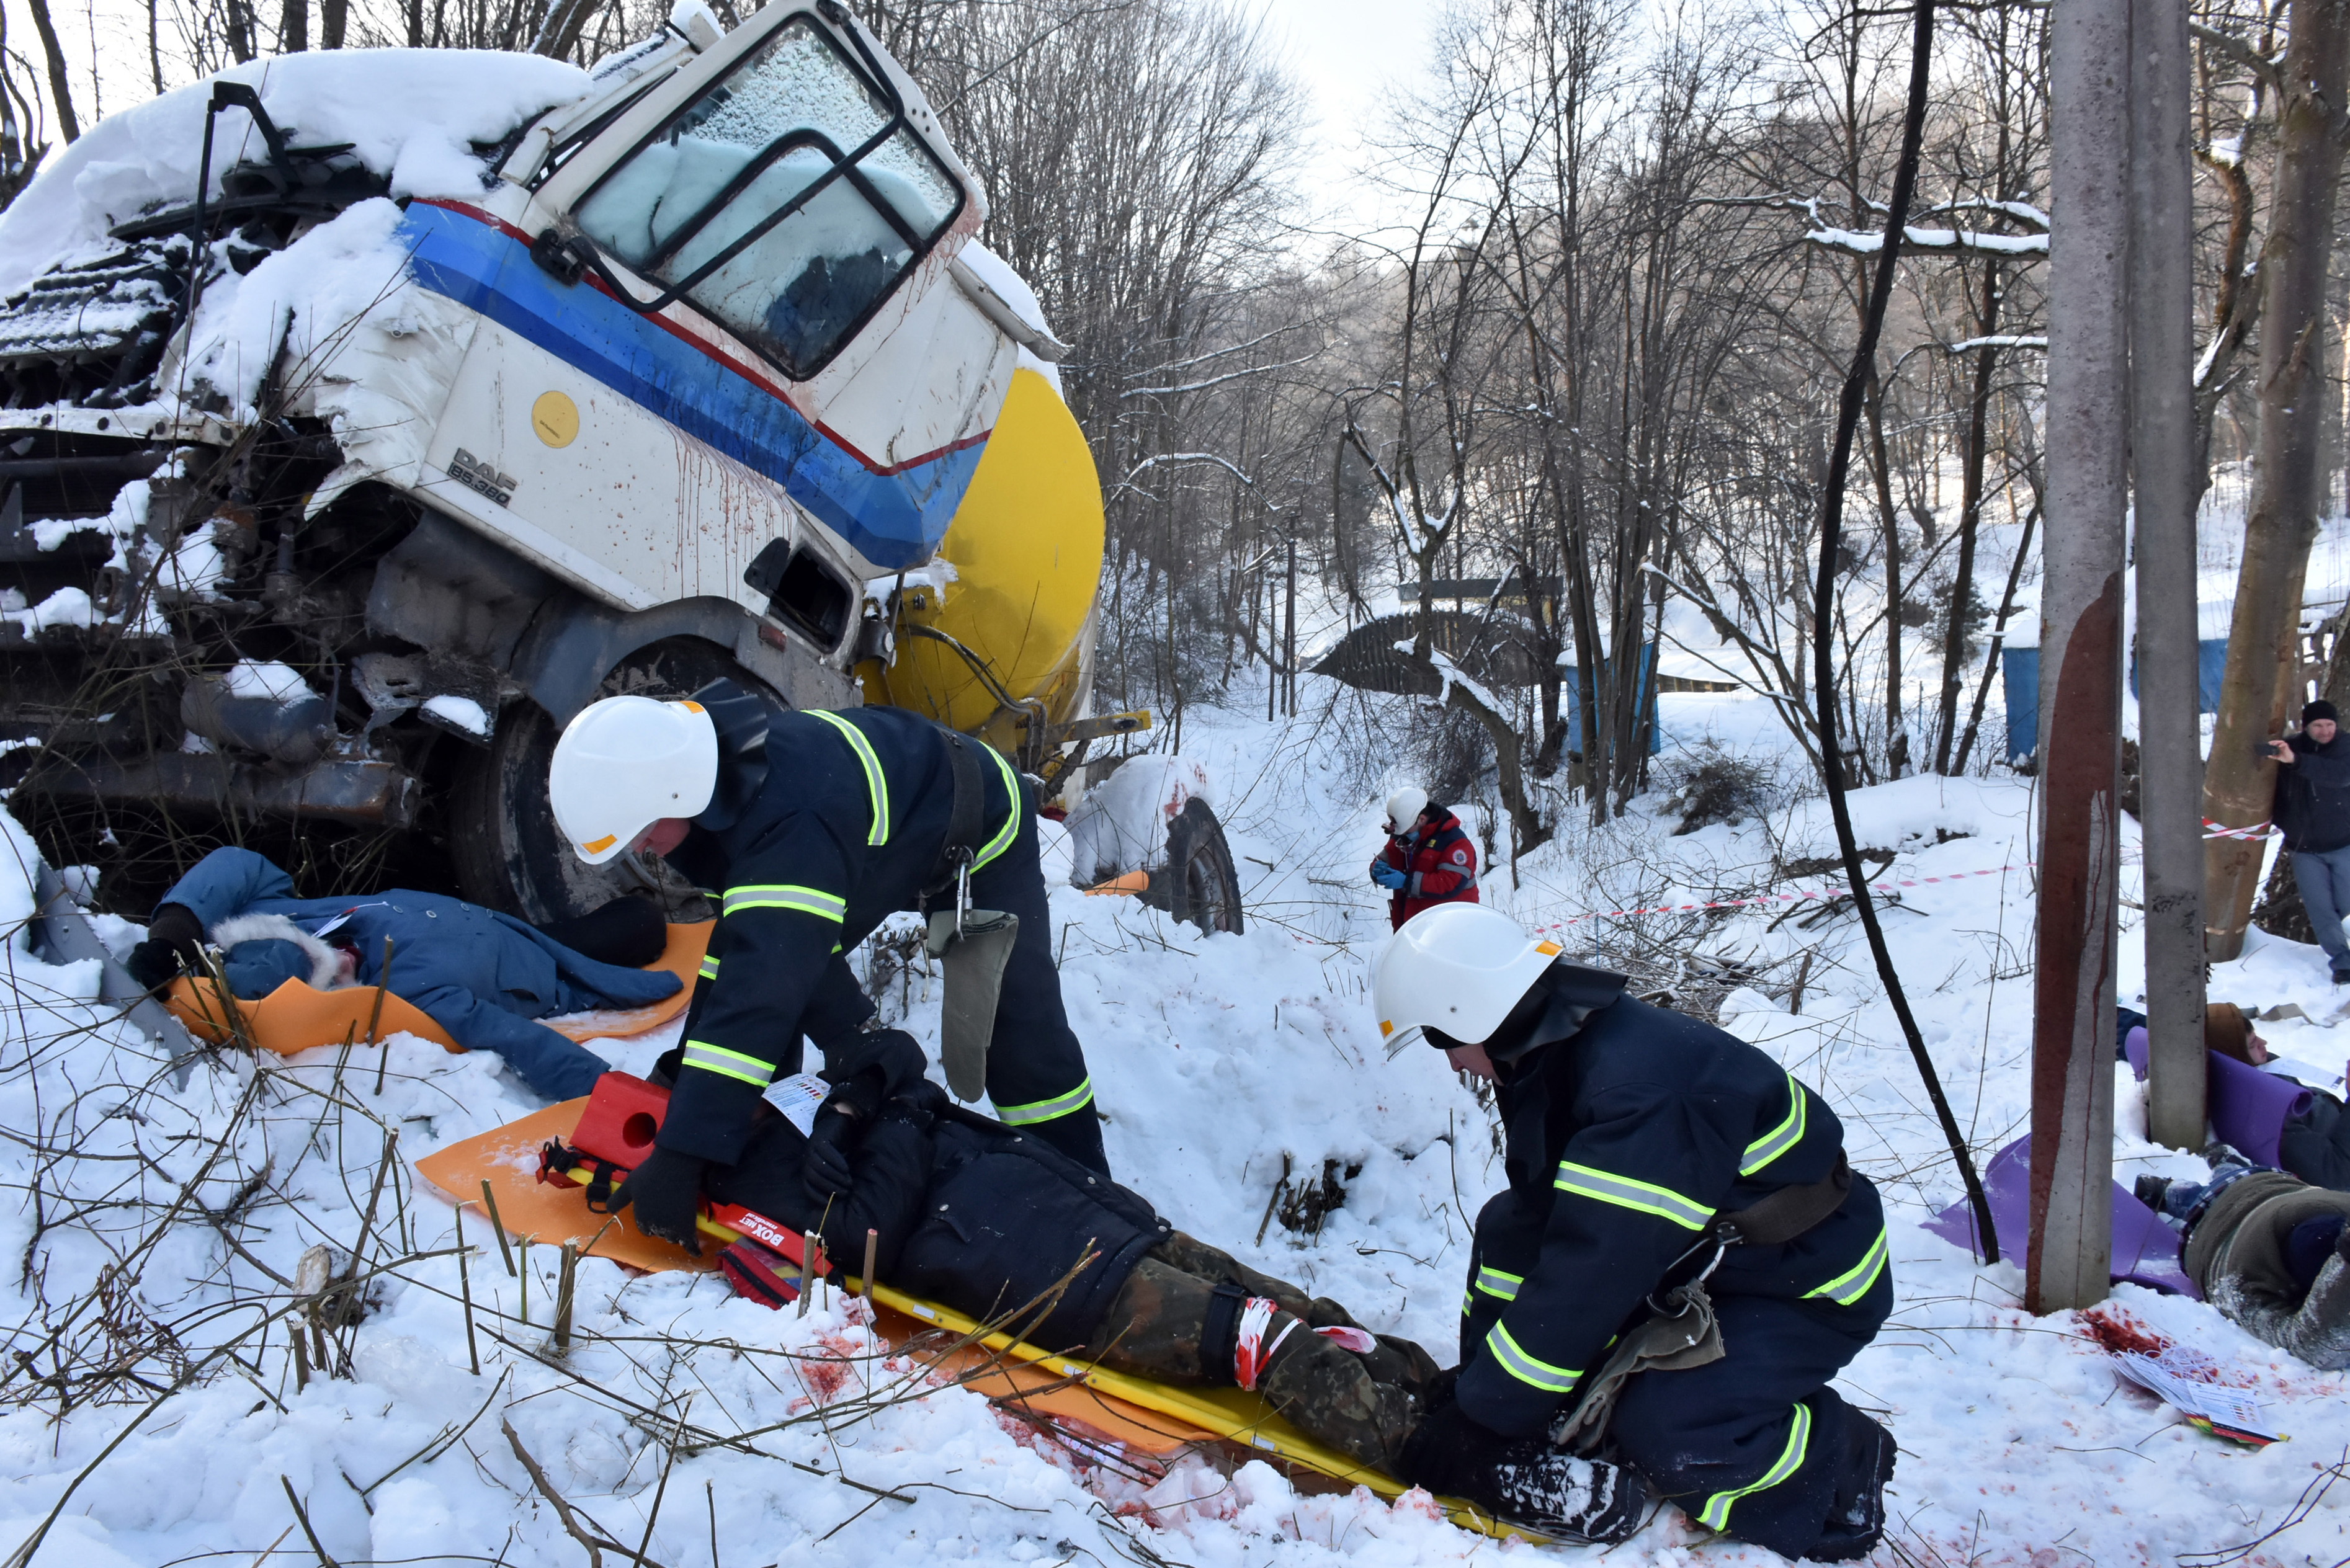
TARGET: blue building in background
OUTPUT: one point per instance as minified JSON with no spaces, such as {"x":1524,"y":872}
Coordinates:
{"x":2020,"y":680}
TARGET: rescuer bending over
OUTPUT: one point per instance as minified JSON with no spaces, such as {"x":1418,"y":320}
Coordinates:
{"x":1651,"y":1159}
{"x":815,"y":826}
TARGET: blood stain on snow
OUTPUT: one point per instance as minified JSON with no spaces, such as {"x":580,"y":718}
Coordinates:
{"x":2115,"y":1330}
{"x":825,"y":1376}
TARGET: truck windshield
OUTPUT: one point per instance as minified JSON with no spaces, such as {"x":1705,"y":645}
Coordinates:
{"x":782,"y":201}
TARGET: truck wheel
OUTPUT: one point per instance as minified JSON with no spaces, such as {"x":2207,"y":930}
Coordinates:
{"x":503,"y":841}
{"x":1203,"y":885}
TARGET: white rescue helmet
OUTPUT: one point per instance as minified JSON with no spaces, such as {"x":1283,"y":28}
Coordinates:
{"x":625,"y":763}
{"x":1458,"y":969}
{"x":1404,"y":807}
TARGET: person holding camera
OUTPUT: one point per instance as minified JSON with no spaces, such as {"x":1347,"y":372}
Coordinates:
{"x":2311,"y":810}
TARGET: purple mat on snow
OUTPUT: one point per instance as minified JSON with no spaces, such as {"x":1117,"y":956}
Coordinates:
{"x":2247,"y":1106}
{"x":2146,"y":1251}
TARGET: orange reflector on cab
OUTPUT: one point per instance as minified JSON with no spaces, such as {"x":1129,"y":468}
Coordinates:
{"x":597,"y":846}
{"x":1132,"y":882}
{"x":1553,"y":949}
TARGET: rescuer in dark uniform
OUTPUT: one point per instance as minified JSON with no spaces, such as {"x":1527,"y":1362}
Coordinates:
{"x":1646,"y":1150}
{"x":815,"y":826}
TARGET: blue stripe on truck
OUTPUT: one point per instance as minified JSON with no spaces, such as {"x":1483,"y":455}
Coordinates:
{"x":893,"y":519}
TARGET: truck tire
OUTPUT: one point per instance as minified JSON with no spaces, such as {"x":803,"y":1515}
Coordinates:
{"x":503,"y":844}
{"x":1203,"y":885}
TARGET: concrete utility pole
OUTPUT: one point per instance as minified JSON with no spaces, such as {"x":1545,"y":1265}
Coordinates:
{"x":2069,"y":1256}
{"x":2162,"y":455}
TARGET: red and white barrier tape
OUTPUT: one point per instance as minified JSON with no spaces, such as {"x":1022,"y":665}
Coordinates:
{"x":1828,"y":894}
{"x":2212,"y":830}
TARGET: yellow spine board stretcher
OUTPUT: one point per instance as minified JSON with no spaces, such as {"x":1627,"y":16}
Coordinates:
{"x":1156,"y":1418}
{"x":295,"y":1017}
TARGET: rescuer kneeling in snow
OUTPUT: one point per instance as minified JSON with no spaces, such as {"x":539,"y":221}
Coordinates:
{"x":1429,"y":861}
{"x":817,"y":827}
{"x":1681,"y":1259}
{"x":484,"y":977}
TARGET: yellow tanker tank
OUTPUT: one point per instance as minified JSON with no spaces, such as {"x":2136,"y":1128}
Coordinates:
{"x":1007,"y":653}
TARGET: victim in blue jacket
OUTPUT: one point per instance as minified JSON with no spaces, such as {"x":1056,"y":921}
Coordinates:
{"x":482,"y":976}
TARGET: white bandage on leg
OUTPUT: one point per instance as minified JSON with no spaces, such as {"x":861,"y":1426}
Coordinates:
{"x":1249,"y":1361}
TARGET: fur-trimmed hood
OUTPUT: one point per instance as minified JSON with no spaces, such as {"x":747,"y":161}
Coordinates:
{"x":326,"y":967}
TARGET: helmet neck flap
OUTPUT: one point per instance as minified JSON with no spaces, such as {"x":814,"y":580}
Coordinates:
{"x":1553,"y":1009}
{"x":742,"y":720}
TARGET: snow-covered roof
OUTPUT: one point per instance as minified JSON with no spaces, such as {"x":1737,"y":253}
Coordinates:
{"x":409,"y":115}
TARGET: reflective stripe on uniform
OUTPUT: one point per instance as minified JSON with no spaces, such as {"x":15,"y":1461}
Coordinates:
{"x":1781,"y":1139}
{"x":1011,"y":828}
{"x":814,"y":901}
{"x":877,"y":782}
{"x":1468,"y":1302}
{"x":1715,"y":1514}
{"x":1037,"y":1111}
{"x":1626,"y":1193}
{"x":708,"y":967}
{"x":1495,"y":1283}
{"x":729,"y":1064}
{"x":1528,"y":1368}
{"x":1853,"y":1283}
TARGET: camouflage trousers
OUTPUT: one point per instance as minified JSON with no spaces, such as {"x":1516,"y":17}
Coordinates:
{"x":1363,"y":1406}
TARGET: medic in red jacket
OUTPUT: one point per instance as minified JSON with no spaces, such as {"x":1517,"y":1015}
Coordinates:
{"x":1429,"y":861}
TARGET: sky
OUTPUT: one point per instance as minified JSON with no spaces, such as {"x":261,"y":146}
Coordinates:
{"x":1346,"y":54}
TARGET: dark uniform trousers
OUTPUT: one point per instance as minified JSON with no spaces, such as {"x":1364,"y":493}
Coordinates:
{"x":1036,"y":1068}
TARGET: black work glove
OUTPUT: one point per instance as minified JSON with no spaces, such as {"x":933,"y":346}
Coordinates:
{"x":894,"y":1056}
{"x":826,"y":1174}
{"x":1449,"y":1454}
{"x":174,"y":946}
{"x":841,"y":1124}
{"x":667,"y":1190}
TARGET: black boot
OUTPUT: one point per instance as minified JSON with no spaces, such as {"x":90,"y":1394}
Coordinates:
{"x":1568,"y":1498}
{"x":1523,"y":1480}
{"x":1856,"y":1517}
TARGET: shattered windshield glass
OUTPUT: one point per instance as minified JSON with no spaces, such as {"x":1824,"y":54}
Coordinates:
{"x":754,"y":200}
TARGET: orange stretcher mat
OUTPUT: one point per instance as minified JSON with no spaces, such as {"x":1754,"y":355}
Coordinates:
{"x":296,"y":1018}
{"x":1095,"y":1404}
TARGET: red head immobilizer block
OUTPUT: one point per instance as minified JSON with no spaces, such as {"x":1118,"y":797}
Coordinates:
{"x":620,"y":1119}
{"x":617,"y":1126}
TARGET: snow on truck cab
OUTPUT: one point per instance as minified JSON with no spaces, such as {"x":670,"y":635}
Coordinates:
{"x":367,"y":413}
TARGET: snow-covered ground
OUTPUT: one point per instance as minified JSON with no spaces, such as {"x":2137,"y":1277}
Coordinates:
{"x":1218,"y":1061}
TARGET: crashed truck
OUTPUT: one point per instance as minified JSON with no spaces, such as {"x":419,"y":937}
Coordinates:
{"x":336,"y":476}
